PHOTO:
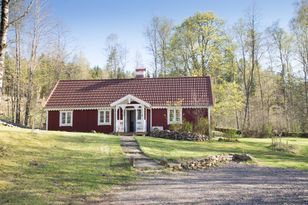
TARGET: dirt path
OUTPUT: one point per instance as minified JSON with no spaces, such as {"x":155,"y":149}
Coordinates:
{"x":232,"y":184}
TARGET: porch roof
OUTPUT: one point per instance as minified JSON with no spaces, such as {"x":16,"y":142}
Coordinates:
{"x":184,"y":91}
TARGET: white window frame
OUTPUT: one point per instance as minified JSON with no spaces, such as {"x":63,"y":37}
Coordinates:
{"x":174,"y":117}
{"x":104,"y":113}
{"x":66,"y":124}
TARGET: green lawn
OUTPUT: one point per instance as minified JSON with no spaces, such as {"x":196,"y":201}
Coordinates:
{"x":259,"y":148}
{"x":57,"y":167}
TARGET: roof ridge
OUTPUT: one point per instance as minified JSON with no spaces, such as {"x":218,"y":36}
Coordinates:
{"x":180,"y":77}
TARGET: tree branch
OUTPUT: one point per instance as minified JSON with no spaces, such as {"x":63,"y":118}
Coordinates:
{"x":24,"y":14}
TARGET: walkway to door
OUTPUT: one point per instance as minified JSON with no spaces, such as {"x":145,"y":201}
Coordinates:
{"x":133,"y":152}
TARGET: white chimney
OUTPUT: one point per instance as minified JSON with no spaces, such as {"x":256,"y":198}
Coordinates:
{"x":140,"y":72}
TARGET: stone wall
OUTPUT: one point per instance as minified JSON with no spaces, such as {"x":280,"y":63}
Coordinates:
{"x":174,"y":135}
{"x":211,"y":161}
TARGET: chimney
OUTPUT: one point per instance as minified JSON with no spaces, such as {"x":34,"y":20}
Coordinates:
{"x":140,"y":73}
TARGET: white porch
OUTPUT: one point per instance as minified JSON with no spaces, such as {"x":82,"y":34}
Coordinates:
{"x":130,"y":114}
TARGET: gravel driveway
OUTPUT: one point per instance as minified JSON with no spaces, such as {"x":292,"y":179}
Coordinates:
{"x":231,"y":184}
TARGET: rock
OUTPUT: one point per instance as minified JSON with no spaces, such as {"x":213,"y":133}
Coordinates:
{"x":214,"y":161}
{"x":241,"y":157}
{"x":167,"y":134}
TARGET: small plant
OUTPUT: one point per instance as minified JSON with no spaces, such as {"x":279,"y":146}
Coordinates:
{"x":184,"y":127}
{"x":279,"y":145}
{"x":202,"y":126}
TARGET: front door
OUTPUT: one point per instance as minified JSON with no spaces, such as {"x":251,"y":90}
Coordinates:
{"x":131,"y":120}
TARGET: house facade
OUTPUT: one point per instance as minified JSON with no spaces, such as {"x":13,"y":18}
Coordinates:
{"x":127,"y":105}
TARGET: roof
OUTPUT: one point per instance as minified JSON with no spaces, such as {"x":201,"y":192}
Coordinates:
{"x":190,"y":91}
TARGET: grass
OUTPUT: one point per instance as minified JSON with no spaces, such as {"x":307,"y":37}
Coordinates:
{"x":259,"y":148}
{"x":40,"y":167}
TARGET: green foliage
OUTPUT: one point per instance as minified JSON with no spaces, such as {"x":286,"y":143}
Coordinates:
{"x":278,"y":145}
{"x":202,"y":126}
{"x":186,"y":126}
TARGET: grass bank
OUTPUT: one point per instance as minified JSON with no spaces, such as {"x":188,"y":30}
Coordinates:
{"x":259,"y":148}
{"x":43,"y":167}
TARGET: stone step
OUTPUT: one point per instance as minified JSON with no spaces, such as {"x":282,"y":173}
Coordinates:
{"x":133,"y":152}
{"x":129,"y":144}
{"x":146,"y":164}
{"x":136,"y":156}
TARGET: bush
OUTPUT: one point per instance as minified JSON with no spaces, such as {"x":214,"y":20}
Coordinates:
{"x":184,"y":127}
{"x":202,"y":126}
{"x":187,"y":127}
{"x":175,"y":127}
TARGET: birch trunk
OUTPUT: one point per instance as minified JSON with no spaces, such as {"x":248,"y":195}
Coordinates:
{"x":3,"y":38}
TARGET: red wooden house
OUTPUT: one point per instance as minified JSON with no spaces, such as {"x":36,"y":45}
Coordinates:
{"x":127,"y":105}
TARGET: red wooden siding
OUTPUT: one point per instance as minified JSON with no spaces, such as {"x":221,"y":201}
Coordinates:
{"x":83,"y":121}
{"x":86,"y":120}
{"x":193,"y":114}
{"x":159,"y":117}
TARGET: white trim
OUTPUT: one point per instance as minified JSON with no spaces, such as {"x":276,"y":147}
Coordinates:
{"x":104,"y":110}
{"x":130,"y":98}
{"x":186,"y":107}
{"x":65,"y":124}
{"x":174,"y":115}
{"x":46,"y":119}
{"x":98,"y":108}
{"x":51,"y":93}
{"x":72,"y":108}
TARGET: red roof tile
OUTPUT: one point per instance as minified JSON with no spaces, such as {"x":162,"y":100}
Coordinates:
{"x":191,"y":91}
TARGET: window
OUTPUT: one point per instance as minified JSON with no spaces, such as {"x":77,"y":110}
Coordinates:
{"x":139,"y":114}
{"x":66,"y":118}
{"x":174,"y":115}
{"x":104,"y":117}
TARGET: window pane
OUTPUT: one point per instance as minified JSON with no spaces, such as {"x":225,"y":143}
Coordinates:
{"x":107,"y":118}
{"x":177,"y":115}
{"x":101,"y":116}
{"x":63,"y":114}
{"x":138,"y":114}
{"x":69,"y":117}
{"x":171,"y":115}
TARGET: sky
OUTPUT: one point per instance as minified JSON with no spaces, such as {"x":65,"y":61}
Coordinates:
{"x":89,"y":22}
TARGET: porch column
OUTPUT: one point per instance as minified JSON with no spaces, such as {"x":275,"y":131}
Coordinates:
{"x":209,"y":120}
{"x":116,"y":118}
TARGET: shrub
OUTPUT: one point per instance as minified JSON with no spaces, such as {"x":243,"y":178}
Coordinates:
{"x":184,"y":127}
{"x":202,"y":126}
{"x":175,"y":127}
{"x":187,"y":127}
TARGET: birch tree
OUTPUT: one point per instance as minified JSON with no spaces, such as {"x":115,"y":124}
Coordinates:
{"x":4,"y":26}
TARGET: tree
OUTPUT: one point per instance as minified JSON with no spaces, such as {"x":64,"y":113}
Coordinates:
{"x":38,"y":30}
{"x":282,"y":42}
{"x":96,"y":72}
{"x":299,"y":25}
{"x":116,"y":57}
{"x":201,"y":42}
{"x":158,"y":36}
{"x":248,"y":40}
{"x":4,"y":26}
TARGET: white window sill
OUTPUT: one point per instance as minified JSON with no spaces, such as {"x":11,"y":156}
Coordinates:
{"x":68,"y":125}
{"x":104,"y":124}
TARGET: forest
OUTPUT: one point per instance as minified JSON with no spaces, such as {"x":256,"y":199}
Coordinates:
{"x":259,"y":74}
